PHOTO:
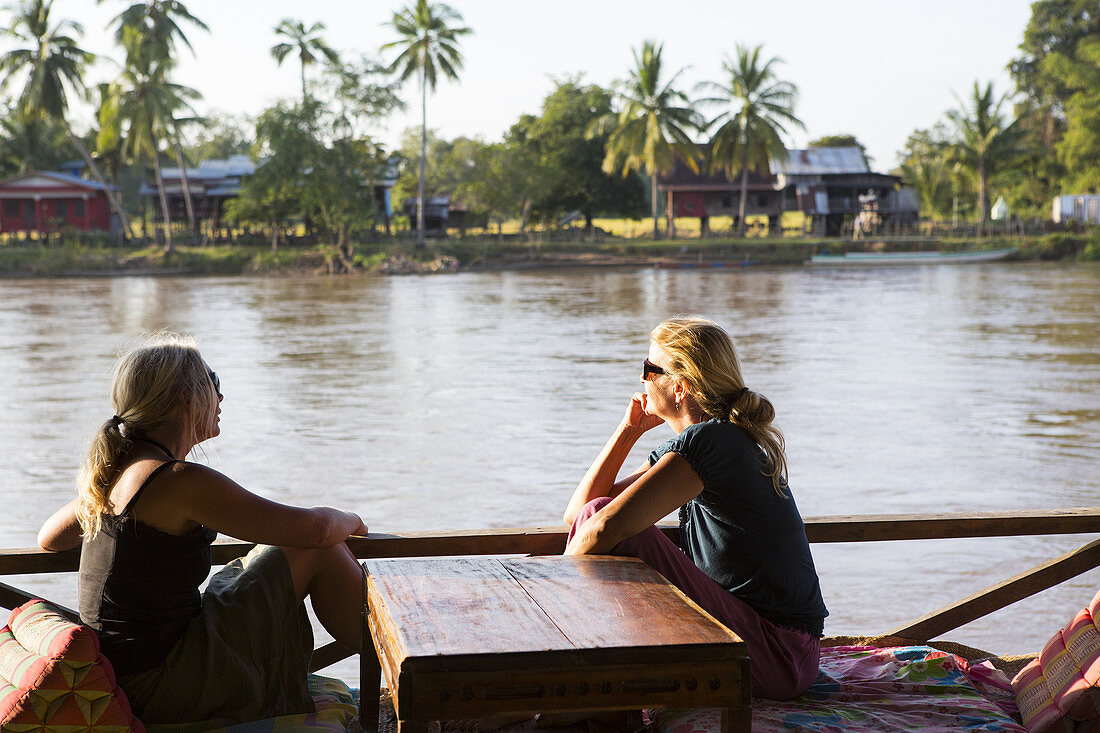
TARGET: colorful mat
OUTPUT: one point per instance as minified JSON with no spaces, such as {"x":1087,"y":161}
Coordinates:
{"x":336,"y":712}
{"x":867,"y":689}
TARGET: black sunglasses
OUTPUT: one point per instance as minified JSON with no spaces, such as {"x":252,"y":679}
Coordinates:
{"x":217,"y":382}
{"x":648,"y":368}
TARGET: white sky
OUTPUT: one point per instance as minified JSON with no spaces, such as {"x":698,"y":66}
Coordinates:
{"x":874,"y":68}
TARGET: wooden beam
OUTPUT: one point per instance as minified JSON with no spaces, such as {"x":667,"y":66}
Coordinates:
{"x":1002,"y":594}
{"x":550,"y":540}
{"x":329,"y":654}
{"x":880,"y":527}
{"x":12,"y":597}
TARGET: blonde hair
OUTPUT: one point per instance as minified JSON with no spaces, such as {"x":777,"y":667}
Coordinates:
{"x":146,"y":390}
{"x":702,"y":354}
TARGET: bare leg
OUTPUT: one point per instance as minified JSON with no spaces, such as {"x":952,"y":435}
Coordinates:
{"x":332,"y":578}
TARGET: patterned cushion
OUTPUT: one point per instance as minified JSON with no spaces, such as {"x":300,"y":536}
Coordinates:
{"x":52,"y":677}
{"x":1062,"y":686}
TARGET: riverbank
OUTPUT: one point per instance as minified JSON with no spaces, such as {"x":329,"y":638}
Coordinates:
{"x":455,"y":255}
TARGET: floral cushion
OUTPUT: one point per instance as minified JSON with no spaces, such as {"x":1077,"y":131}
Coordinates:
{"x":1061,"y":687}
{"x":52,"y":677}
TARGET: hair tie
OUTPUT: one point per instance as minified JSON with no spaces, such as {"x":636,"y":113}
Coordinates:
{"x":117,"y":420}
{"x":741,"y":393}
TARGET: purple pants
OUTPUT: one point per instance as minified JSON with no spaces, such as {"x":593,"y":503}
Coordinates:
{"x":784,"y":661}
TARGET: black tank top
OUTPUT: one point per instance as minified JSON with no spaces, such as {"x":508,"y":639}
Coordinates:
{"x":139,"y":586}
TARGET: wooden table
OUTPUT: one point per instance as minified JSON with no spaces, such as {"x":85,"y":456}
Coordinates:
{"x":462,"y":638}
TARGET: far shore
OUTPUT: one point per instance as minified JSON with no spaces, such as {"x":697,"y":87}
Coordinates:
{"x":471,"y":255}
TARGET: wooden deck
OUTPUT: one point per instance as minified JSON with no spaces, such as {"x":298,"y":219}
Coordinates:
{"x":825,"y":529}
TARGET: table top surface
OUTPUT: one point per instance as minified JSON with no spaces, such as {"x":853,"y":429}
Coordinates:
{"x":485,"y":605}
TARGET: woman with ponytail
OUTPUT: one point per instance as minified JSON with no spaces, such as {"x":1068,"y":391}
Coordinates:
{"x":743,"y":553}
{"x":145,"y":519}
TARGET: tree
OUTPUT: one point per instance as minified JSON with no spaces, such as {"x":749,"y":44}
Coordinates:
{"x":843,"y":140}
{"x":926,"y":166}
{"x":361,"y":91}
{"x":284,"y":140}
{"x":571,"y":161}
{"x":429,"y":47}
{"x":151,"y":28}
{"x":52,"y":65}
{"x":147,"y":104}
{"x":653,"y":125}
{"x":220,"y":135}
{"x":306,"y":41}
{"x":985,"y":141}
{"x":749,"y":133}
{"x":148,"y":32}
{"x":29,"y":142}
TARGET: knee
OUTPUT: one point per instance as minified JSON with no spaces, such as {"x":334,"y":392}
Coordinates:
{"x":589,"y":509}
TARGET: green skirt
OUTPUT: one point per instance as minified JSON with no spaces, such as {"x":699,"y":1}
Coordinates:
{"x":244,"y":657}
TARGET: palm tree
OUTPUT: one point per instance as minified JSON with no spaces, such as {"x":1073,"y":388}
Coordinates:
{"x":750,"y":130}
{"x":306,"y":41}
{"x":148,"y":31}
{"x":987,"y":142}
{"x":429,"y":47}
{"x":53,"y":65}
{"x":148,"y":103}
{"x":651,"y":129}
{"x":152,"y":28}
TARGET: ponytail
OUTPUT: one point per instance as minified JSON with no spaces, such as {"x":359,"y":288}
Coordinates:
{"x":98,"y":475}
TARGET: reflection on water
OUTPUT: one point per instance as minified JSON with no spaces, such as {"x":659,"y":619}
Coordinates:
{"x":478,"y":400}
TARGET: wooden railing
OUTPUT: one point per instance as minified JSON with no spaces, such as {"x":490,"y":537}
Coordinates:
{"x":827,"y":529}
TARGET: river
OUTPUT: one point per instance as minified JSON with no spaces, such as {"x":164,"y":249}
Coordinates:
{"x":478,"y":400}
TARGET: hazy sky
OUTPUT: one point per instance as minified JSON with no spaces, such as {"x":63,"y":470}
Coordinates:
{"x":877,"y":69}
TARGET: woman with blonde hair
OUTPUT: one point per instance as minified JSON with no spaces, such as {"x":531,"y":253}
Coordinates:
{"x":145,"y":518}
{"x":743,"y":553}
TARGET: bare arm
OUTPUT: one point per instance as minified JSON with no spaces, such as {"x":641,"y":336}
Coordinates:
{"x":208,"y":497}
{"x":600,"y":477}
{"x":61,"y":531}
{"x":669,"y":484}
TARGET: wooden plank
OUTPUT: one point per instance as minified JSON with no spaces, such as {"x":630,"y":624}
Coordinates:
{"x":878,"y":527}
{"x":551,"y":540}
{"x":457,"y":606}
{"x":607,"y":602}
{"x":329,"y":654}
{"x":1005,"y":593}
{"x":11,"y":597}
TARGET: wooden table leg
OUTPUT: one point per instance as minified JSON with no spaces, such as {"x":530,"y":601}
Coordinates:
{"x":736,"y":720}
{"x":370,"y":672}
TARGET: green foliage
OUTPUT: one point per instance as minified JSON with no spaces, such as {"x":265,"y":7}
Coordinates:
{"x":927,"y":167}
{"x":29,"y":142}
{"x":750,"y":132}
{"x":219,"y":136}
{"x":654,"y":124}
{"x":986,"y":142}
{"x":307,"y":42}
{"x":557,"y":167}
{"x":428,"y":45}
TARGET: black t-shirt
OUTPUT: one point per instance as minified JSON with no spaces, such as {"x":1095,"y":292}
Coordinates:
{"x":741,"y":533}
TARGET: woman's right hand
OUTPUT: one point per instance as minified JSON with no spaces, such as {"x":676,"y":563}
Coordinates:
{"x":638,"y":417}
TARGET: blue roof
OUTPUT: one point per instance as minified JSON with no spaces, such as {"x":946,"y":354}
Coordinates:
{"x":77,"y":180}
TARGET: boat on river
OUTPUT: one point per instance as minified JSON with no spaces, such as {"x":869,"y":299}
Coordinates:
{"x":919,"y":633}
{"x":861,"y":259}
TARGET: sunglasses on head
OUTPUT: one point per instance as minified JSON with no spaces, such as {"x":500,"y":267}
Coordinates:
{"x":648,"y":368}
{"x":215,"y":381}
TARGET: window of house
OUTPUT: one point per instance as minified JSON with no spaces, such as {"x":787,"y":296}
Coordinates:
{"x":762,"y":201}
{"x":725,"y":202}
{"x":11,"y":208}
{"x":78,"y":208}
{"x":28,"y":212}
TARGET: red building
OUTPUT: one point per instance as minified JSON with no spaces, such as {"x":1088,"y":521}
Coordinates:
{"x":46,"y":201}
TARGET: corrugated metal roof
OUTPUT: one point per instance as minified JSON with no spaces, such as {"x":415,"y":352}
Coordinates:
{"x":821,"y":161}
